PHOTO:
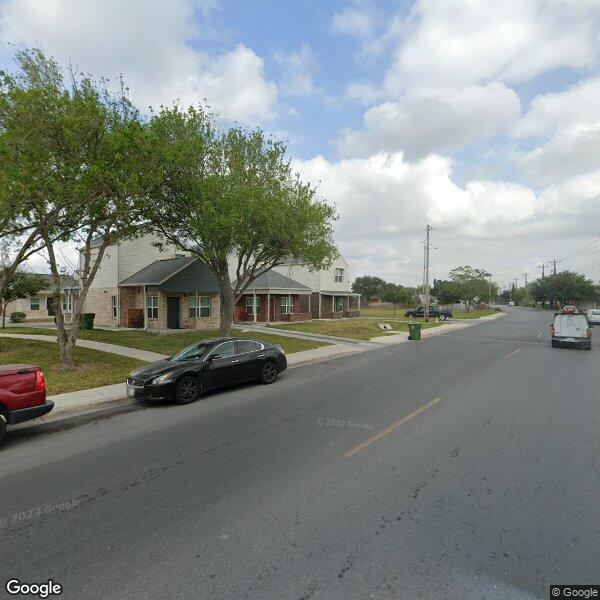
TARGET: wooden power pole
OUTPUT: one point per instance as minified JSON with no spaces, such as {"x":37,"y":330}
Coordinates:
{"x":427,"y":249}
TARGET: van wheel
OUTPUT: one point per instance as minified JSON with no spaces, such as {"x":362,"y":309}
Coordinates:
{"x":268,"y":373}
{"x":187,"y":390}
{"x":2,"y":428}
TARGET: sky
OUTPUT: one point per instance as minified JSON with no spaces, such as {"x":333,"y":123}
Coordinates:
{"x":478,"y":117}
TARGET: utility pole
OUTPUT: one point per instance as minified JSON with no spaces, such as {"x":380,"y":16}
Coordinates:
{"x":526,"y":291}
{"x":543,"y":268}
{"x":427,"y":249}
{"x":554,"y":261}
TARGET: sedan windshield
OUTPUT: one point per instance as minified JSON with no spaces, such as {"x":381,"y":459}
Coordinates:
{"x":192,"y":352}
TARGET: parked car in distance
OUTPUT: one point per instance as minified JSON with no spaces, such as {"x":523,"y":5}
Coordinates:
{"x":571,"y":330}
{"x":593,"y":316}
{"x":569,"y":309}
{"x":434,"y":311}
{"x":22,"y":395}
{"x":204,"y":366}
{"x":511,"y":302}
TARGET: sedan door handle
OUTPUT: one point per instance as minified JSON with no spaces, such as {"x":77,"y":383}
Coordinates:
{"x":234,"y":361}
{"x":262,"y":354}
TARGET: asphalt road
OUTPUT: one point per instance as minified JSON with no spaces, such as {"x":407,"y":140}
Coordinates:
{"x":464,"y":466}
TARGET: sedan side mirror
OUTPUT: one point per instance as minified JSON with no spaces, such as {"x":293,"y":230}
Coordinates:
{"x":214,"y":356}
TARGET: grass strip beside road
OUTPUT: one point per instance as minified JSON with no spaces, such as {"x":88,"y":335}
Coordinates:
{"x":388,"y":313}
{"x":358,"y":329}
{"x":172,"y":342}
{"x":94,"y":368}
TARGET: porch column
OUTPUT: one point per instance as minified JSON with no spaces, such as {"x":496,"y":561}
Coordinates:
{"x":290,"y":304}
{"x":309,"y":295}
{"x":118,"y":306}
{"x":197,"y":312}
{"x":145,"y":310}
{"x":319,"y":305}
{"x":268,"y":307}
{"x":254,"y":307}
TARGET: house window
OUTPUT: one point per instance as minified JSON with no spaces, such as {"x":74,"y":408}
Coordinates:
{"x":250,"y":305}
{"x":339,"y":275}
{"x":34,"y":303}
{"x":114,"y":306}
{"x":205,"y":306}
{"x":152,"y":307}
{"x":287,"y":305}
{"x":339,"y":304}
{"x":67,"y":302}
{"x":200,"y":307}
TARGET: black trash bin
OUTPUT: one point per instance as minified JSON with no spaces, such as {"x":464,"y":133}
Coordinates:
{"x":87,"y":321}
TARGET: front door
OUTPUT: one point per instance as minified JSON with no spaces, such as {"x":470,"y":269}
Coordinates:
{"x":50,"y":307}
{"x":173,"y":312}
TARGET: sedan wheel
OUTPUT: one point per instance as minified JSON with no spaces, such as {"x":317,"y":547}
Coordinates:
{"x":268,"y":373}
{"x":443,"y":317}
{"x":188,"y":390}
{"x":2,"y":428}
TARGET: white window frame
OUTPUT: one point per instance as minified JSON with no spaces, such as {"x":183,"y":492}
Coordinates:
{"x":339,"y":275}
{"x":114,"y":306}
{"x":250,"y":305}
{"x":31,"y":302}
{"x":152,"y":307}
{"x":196,"y":308}
{"x":204,"y":303}
{"x":287,"y":305}
{"x":67,"y":302}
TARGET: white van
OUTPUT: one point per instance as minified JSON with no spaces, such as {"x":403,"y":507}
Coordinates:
{"x":571,"y":330}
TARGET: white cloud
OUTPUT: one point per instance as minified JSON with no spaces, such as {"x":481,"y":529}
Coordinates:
{"x":434,"y":121}
{"x":568,"y":125}
{"x":364,"y":92}
{"x":457,"y":42}
{"x":299,"y":68}
{"x":152,"y":44}
{"x":358,"y":19}
{"x":384,"y":203}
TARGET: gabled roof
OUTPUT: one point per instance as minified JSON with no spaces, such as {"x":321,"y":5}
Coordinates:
{"x":277,"y":281}
{"x":66,"y":280}
{"x":181,"y":274}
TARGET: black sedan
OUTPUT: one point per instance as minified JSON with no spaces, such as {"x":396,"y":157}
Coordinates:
{"x":205,"y":366}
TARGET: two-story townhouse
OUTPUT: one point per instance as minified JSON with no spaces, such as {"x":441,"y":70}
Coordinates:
{"x":140,"y":285}
{"x":331,"y":293}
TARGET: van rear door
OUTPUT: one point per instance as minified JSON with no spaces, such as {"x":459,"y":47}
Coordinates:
{"x":570,"y":326}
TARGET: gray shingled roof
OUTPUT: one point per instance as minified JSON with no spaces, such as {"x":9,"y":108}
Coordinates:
{"x":158,"y":271}
{"x":67,"y":280}
{"x":277,"y":281}
{"x":181,"y":274}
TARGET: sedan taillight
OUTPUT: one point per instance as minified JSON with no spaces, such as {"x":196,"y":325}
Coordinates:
{"x":589,"y":333}
{"x":552,"y":330}
{"x":40,"y":384}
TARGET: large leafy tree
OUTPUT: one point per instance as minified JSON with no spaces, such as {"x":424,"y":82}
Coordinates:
{"x":396,"y":294}
{"x":229,"y":197}
{"x":368,"y":286}
{"x":86,"y":145}
{"x":565,"y":287}
{"x":19,"y":285}
{"x":469,"y":283}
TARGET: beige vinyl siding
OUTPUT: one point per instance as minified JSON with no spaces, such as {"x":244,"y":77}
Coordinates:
{"x":107,"y":272}
{"x":135,"y":254}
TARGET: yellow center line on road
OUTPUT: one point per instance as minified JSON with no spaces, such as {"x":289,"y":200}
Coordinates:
{"x":390,"y":428}
{"x":513,"y":353}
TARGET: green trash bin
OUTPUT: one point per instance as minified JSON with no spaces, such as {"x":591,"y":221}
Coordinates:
{"x":87,"y":321}
{"x":414,"y":331}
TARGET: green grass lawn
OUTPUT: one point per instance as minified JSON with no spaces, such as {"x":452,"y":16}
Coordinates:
{"x":475,"y":314}
{"x":94,"y":368}
{"x":388,"y":313}
{"x":358,"y":329}
{"x":172,"y":342}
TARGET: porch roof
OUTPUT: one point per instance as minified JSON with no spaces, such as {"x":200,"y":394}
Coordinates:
{"x":276,"y":283}
{"x":181,"y":274}
{"x":339,"y":293}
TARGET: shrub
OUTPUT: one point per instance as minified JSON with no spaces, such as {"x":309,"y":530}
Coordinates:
{"x":17,"y":317}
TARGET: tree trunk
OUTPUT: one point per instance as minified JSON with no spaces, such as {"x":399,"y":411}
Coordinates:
{"x":227,"y":308}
